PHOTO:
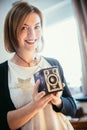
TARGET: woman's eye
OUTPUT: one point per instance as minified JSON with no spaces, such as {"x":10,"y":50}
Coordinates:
{"x":37,"y":27}
{"x":24,"y":28}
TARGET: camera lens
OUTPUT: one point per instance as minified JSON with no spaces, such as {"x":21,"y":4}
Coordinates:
{"x":52,"y":79}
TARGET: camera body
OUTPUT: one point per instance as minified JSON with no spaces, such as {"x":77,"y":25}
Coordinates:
{"x":50,"y":81}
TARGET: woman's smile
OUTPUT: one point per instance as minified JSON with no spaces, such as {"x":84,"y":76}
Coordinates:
{"x":31,"y":41}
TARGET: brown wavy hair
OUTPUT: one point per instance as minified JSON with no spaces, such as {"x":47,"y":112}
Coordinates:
{"x":13,"y":21}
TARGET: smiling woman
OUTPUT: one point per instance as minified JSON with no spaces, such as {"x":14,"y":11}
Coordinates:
{"x":22,"y":106}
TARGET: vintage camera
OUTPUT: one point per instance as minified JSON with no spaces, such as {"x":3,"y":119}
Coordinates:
{"x":49,"y":80}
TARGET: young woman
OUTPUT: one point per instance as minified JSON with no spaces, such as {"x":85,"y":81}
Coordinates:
{"x":21,"y":105}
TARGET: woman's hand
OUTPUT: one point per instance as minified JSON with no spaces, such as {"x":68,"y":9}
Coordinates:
{"x":56,"y":98}
{"x":40,"y":99}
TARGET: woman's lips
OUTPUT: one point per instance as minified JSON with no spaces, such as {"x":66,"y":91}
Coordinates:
{"x":30,"y":42}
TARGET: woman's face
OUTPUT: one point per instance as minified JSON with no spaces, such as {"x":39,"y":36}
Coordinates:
{"x":30,"y":32}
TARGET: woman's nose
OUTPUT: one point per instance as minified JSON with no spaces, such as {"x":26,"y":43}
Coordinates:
{"x":31,"y":33}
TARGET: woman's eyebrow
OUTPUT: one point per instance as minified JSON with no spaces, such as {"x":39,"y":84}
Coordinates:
{"x":28,"y":25}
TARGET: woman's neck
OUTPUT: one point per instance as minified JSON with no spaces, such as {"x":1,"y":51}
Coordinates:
{"x":25,"y":61}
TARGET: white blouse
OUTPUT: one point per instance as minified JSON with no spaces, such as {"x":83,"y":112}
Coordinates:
{"x":21,"y":83}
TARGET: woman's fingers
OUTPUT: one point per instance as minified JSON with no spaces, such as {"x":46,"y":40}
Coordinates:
{"x":39,"y":95}
{"x":36,"y":86}
{"x":63,"y":85}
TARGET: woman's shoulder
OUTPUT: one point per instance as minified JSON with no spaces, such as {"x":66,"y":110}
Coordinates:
{"x":3,"y":71}
{"x":55,"y":62}
{"x":3,"y":64}
{"x":52,"y":61}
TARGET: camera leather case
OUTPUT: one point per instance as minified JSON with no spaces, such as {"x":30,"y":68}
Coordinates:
{"x":49,"y":80}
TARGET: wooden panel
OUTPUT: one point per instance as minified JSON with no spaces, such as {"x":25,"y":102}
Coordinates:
{"x":80,"y":124}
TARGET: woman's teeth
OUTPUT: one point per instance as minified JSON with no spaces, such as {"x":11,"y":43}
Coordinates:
{"x":30,"y":42}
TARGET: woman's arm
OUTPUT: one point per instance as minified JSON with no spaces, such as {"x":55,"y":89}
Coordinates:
{"x":67,"y":103}
{"x":17,"y":118}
